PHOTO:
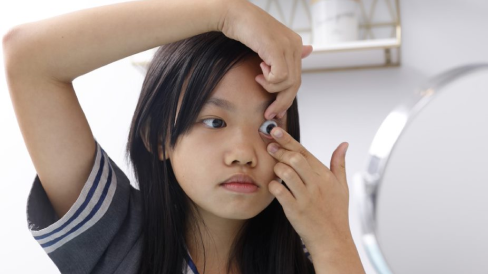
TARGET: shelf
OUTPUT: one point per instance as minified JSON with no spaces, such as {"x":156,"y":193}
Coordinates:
{"x":359,"y":45}
{"x":379,"y":45}
{"x":353,"y":55}
{"x":345,"y":56}
{"x":142,"y":59}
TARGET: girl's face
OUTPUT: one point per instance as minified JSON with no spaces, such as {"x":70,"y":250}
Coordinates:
{"x":229,"y":139}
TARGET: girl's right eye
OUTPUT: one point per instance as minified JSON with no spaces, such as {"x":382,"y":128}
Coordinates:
{"x":216,"y":123}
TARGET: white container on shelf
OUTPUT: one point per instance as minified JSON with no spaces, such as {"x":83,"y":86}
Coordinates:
{"x":334,"y":21}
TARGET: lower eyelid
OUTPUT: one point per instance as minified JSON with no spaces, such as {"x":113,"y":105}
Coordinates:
{"x":266,"y":136}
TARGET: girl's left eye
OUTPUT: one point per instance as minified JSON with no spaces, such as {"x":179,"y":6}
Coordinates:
{"x":216,"y":122}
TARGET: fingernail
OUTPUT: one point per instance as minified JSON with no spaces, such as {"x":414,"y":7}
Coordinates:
{"x":272,"y":115}
{"x":277,"y":133}
{"x":345,"y":151}
{"x":273,"y":148}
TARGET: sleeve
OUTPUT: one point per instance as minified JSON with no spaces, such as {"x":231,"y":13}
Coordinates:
{"x":305,"y":250}
{"x":99,"y":231}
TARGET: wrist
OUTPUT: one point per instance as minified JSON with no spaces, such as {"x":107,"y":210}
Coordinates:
{"x":218,"y":13}
{"x":325,"y":244}
{"x":339,"y":257}
{"x":229,"y":14}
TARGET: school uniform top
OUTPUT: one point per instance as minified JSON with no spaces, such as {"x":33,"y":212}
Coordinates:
{"x":102,"y":231}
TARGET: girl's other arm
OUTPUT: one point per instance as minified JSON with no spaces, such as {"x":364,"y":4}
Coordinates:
{"x":43,"y":58}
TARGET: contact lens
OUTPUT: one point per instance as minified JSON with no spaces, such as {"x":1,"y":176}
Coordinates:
{"x":268,"y":126}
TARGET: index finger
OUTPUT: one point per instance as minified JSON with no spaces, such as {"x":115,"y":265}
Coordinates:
{"x":284,"y":98}
{"x":288,"y":142}
{"x":283,"y":101}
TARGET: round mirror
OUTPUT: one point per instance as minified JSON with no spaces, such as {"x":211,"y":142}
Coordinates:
{"x":423,"y":197}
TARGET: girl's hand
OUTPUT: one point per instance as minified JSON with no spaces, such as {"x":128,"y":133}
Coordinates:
{"x":279,"y":47}
{"x":318,"y":200}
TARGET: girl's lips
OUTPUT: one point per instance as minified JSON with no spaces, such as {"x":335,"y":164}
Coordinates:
{"x":240,"y":187}
{"x":240,"y":179}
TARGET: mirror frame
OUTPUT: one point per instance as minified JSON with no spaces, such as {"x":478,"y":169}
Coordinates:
{"x":367,"y":183}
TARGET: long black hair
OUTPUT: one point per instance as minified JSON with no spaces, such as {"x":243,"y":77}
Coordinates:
{"x":192,"y":68}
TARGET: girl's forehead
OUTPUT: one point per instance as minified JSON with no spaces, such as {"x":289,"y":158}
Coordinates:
{"x":231,"y":106}
{"x":238,"y":89}
{"x":239,"y":84}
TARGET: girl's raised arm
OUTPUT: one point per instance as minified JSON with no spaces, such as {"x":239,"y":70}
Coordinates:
{"x":43,"y":58}
{"x":67,"y":46}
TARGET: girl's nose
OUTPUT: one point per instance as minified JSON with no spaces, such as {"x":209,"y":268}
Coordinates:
{"x":241,"y":155}
{"x":242,"y":149}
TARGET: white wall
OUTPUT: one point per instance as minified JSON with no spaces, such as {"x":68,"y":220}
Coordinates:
{"x":334,"y":107}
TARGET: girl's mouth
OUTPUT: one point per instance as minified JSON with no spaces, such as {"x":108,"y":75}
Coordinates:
{"x":240,"y":187}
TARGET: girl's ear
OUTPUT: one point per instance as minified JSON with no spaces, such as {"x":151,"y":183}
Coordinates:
{"x":144,"y":141}
{"x":144,"y":134}
{"x":162,"y":156}
{"x":160,"y":149}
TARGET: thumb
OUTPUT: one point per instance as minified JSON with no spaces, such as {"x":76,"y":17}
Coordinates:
{"x":306,"y":50}
{"x":338,"y":163}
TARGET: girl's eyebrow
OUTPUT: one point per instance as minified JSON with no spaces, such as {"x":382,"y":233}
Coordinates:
{"x":229,"y":106}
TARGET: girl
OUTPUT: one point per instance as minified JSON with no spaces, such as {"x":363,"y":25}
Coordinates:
{"x":208,"y":164}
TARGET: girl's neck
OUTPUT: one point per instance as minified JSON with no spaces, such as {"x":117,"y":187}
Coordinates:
{"x":217,"y":240}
